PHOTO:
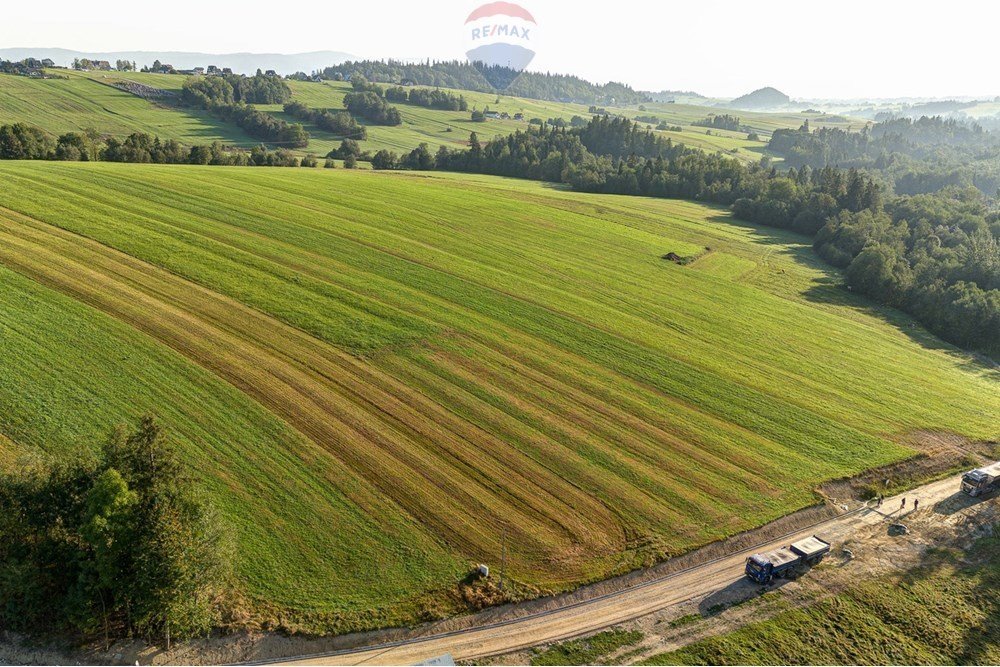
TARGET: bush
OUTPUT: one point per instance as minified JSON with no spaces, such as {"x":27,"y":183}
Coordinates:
{"x":385,"y":160}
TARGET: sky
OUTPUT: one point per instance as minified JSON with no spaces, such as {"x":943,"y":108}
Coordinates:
{"x":849,"y":49}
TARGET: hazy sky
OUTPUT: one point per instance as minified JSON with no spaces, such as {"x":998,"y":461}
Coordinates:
{"x":847,"y":48}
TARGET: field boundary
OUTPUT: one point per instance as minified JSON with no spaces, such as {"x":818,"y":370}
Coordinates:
{"x":592,"y":600}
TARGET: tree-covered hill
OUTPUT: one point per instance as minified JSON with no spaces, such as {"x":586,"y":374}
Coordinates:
{"x":464,"y":76}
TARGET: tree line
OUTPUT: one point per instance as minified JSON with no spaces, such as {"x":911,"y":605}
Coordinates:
{"x":24,"y":142}
{"x":116,"y":545}
{"x":426,"y":97}
{"x":722,"y":122}
{"x":464,"y":76}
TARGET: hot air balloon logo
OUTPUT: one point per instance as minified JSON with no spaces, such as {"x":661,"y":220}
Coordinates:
{"x":500,"y":38}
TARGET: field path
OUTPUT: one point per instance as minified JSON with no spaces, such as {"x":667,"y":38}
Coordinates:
{"x":589,"y":616}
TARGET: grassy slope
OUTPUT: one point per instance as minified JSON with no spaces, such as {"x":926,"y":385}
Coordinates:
{"x":452,"y":128}
{"x":434,"y":356}
{"x":85,"y":100}
{"x":71,"y":372}
{"x":947,"y":612}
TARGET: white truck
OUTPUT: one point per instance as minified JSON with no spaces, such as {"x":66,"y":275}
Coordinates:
{"x":982,"y":480}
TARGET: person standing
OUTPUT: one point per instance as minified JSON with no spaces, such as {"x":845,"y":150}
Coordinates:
{"x":916,"y":502}
{"x":902,"y":505}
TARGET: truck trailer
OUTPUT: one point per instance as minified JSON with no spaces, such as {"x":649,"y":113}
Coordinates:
{"x":982,"y":480}
{"x":784,"y":562}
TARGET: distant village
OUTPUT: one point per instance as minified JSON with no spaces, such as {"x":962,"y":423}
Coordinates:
{"x":32,"y":67}
{"x":36,"y":68}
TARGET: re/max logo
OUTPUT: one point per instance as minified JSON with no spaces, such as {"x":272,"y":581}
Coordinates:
{"x":488,"y":31}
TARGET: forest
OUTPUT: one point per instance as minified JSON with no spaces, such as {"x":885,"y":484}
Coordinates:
{"x":910,"y":156}
{"x":462,"y":75}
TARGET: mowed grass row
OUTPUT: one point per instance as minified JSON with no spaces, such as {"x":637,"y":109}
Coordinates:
{"x":481,"y":352}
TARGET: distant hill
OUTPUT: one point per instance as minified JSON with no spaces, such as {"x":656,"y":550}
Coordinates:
{"x":764,"y":98}
{"x":463,"y":75}
{"x":244,"y":63}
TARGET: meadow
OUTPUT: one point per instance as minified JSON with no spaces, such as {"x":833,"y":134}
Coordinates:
{"x":945,"y":612}
{"x":375,"y":374}
{"x":87,"y":100}
{"x":79,"y":103}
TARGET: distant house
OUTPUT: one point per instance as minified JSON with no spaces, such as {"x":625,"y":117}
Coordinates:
{"x":227,"y":70}
{"x":199,"y":70}
{"x":212,"y":69}
{"x":270,"y":72}
{"x":519,"y":116}
{"x":505,"y":116}
{"x":48,"y":62}
{"x":492,"y":114}
{"x":103,"y":65}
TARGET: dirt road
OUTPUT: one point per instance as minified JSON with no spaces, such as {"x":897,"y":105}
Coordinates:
{"x":595,"y":614}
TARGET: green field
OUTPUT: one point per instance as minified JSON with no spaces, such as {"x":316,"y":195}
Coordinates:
{"x":81,"y":103}
{"x":86,"y":100}
{"x":374,"y":373}
{"x":946,"y":612}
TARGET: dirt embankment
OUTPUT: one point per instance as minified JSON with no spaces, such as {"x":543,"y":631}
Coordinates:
{"x":939,"y":454}
{"x":872,"y":551}
{"x":251,"y":646}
